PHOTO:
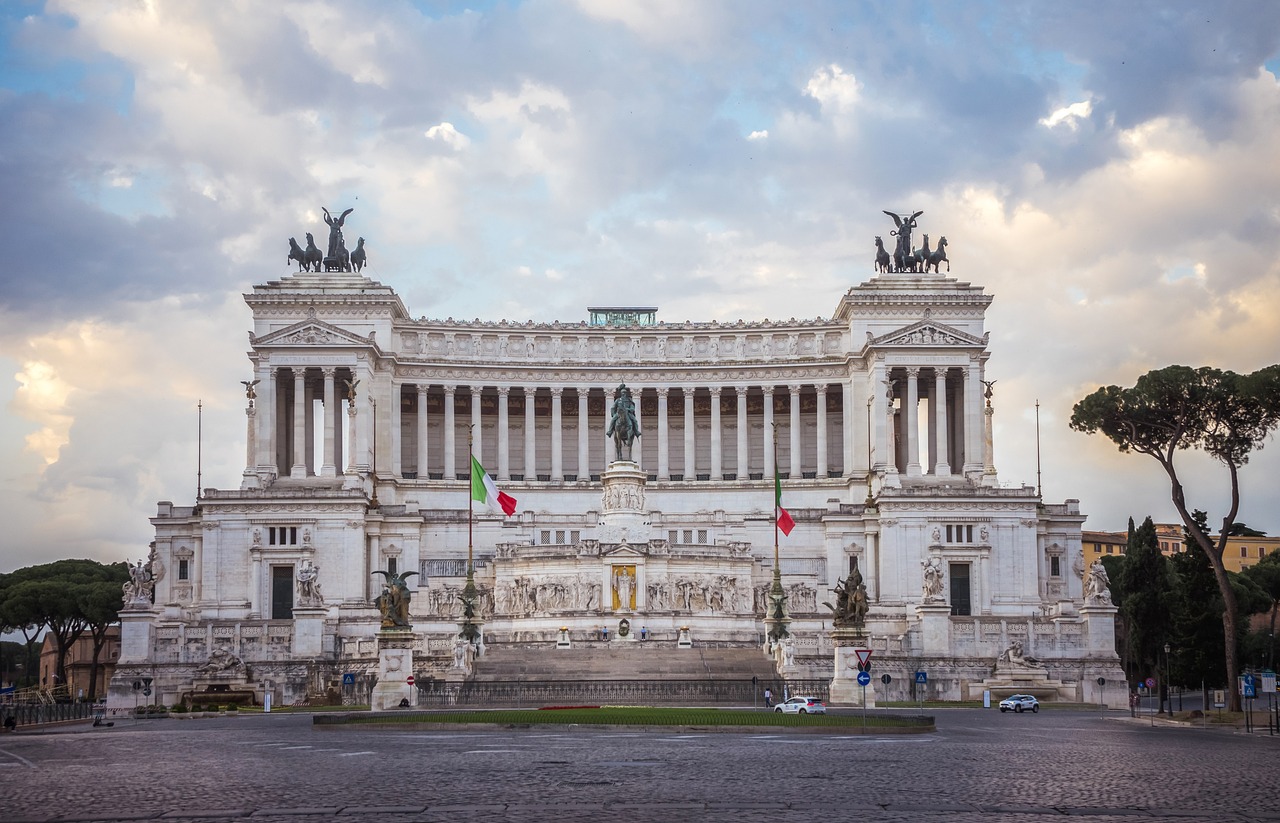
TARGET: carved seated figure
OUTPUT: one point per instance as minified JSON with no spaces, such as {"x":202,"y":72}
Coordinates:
{"x":221,"y":662}
{"x":1014,"y":657}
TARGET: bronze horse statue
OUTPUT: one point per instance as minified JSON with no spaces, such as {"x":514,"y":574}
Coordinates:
{"x":939,"y":256}
{"x":922,"y":254}
{"x":358,"y":256}
{"x":296,"y":253}
{"x":884,"y":262}
{"x":313,"y":254}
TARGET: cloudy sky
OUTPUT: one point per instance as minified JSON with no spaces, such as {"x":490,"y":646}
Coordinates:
{"x":1109,"y":171}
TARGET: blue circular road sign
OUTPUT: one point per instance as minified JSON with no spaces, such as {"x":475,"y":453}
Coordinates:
{"x":863,"y":678}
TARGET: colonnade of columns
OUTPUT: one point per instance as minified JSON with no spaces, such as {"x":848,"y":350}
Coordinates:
{"x":952,"y":440}
{"x":689,"y":444}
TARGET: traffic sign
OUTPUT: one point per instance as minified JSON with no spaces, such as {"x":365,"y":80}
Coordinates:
{"x":1268,"y":682}
{"x":1248,"y":686}
{"x":146,"y":692}
{"x":1151,"y":682}
{"x":922,"y":677}
{"x":349,"y":679}
{"x":886,"y":679}
{"x":137,"y":685}
{"x":864,"y":657}
{"x":409,"y":680}
{"x":863,"y":678}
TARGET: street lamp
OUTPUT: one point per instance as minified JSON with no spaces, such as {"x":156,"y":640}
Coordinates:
{"x":1167,"y":684}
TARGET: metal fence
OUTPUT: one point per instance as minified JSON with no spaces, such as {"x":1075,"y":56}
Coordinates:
{"x":33,"y":714}
{"x":529,"y":693}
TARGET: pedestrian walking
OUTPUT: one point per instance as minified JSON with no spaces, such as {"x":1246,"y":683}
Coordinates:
{"x":768,"y":698}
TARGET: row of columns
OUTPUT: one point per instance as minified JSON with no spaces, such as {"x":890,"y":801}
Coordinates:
{"x":717,"y":467}
{"x":955,"y":423}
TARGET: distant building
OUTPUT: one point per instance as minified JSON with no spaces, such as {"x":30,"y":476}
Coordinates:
{"x":78,"y":665}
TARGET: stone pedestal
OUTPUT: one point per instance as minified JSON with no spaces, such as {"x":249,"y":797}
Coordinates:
{"x":622,"y":509}
{"x":935,"y":629}
{"x":562,"y":639}
{"x":308,"y":631}
{"x":845,"y":690}
{"x":137,"y":634}
{"x":1099,"y":629}
{"x":1010,"y":679}
{"x":683,"y":640}
{"x":395,"y":664}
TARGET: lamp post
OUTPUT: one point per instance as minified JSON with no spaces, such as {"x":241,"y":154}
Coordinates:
{"x":1168,"y":695}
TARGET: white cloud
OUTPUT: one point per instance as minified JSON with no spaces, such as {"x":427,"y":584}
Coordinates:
{"x":447,"y":134}
{"x":837,"y":91}
{"x":758,"y":135}
{"x":1069,"y":116}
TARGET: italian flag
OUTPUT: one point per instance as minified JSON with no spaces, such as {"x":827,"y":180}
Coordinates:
{"x":784,"y":519}
{"x":484,"y":490}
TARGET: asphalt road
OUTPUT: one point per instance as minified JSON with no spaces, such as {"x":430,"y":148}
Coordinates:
{"x":980,"y":765}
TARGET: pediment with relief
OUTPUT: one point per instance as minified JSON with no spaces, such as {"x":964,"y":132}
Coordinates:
{"x":311,"y":333}
{"x":927,"y":333}
{"x":623,"y":549}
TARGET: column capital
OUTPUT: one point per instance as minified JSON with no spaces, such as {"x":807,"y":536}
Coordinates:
{"x":503,"y":391}
{"x":715,"y":390}
{"x":556,"y":391}
{"x":298,"y":371}
{"x":423,"y":388}
{"x":329,"y":372}
{"x":794,"y":388}
{"x":913,"y":371}
{"x":449,"y":389}
{"x":662,"y":391}
{"x":742,"y":390}
{"x":583,"y":391}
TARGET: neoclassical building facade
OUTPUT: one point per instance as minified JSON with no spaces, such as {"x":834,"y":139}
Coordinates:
{"x":360,"y":425}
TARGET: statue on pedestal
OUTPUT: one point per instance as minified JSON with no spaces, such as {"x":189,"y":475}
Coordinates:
{"x":623,"y":426}
{"x":933,"y":581}
{"x":393,"y":603}
{"x":1097,"y":586}
{"x":309,"y":585}
{"x":851,"y":601}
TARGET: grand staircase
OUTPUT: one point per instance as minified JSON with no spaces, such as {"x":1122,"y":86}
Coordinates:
{"x":629,"y":674}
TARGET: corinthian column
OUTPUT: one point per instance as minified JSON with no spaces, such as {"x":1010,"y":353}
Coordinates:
{"x":299,"y":468}
{"x":504,"y":433}
{"x":767,"y":434}
{"x":329,"y":463}
{"x":557,"y":435}
{"x":664,"y":457}
{"x":424,"y":472}
{"x":530,"y":435}
{"x":796,"y":468}
{"x":942,"y":465}
{"x":584,"y":440}
{"x":820,"y":464}
{"x":690,"y":455}
{"x":744,"y":448}
{"x":717,"y":459}
{"x":913,"y":422}
{"x":450,"y":434}
{"x":478,"y":431}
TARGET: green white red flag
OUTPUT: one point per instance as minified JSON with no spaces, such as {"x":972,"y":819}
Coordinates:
{"x":785,"y":523}
{"x":484,"y":490}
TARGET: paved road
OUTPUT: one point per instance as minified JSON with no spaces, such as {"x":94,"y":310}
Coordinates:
{"x":980,"y":765}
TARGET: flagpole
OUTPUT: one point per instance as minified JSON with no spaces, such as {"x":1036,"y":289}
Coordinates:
{"x":469,"y":631}
{"x":776,"y":618}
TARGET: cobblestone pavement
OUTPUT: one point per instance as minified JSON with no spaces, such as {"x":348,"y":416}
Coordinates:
{"x":979,"y":766}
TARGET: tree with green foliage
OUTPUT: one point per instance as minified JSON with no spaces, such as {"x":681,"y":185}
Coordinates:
{"x":57,"y":596}
{"x":1144,"y":579}
{"x":1266,"y":574}
{"x":1175,"y":409}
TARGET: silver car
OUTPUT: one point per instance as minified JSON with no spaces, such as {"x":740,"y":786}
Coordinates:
{"x":1019,"y":703}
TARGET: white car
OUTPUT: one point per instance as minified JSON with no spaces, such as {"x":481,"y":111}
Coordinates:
{"x":801,"y":705}
{"x":1019,"y":703}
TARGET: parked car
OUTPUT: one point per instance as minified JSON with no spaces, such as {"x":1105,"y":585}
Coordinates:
{"x":801,"y":705}
{"x":1020,"y":702}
